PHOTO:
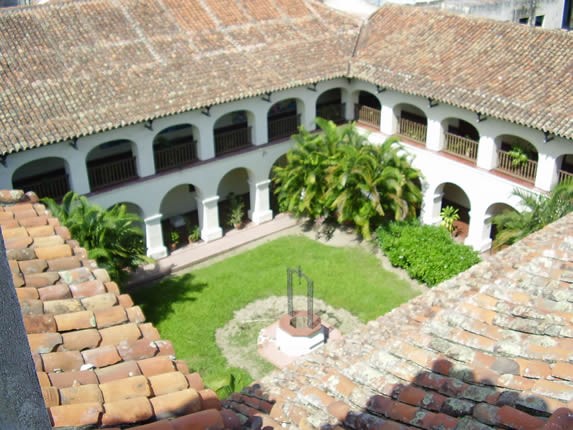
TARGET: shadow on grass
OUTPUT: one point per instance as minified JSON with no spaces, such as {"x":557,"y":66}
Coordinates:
{"x":158,"y":299}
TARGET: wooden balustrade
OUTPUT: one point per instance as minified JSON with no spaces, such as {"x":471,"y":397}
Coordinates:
{"x":334,"y":112}
{"x":506,"y":164}
{"x":228,"y":141}
{"x":54,"y":186}
{"x":283,"y":127}
{"x":367,"y":115}
{"x":414,"y":130}
{"x":461,"y":147}
{"x":175,"y":155}
{"x":113,"y":172}
{"x":565,"y":176}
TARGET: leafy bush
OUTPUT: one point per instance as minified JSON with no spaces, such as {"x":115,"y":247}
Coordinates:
{"x":426,"y":252}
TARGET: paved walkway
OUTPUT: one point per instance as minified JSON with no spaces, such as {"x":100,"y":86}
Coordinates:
{"x":196,"y":253}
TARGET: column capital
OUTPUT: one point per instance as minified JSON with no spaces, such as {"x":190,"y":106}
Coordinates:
{"x":153,"y":219}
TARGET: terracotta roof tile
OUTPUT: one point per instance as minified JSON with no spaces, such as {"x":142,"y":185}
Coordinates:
{"x":90,"y":345}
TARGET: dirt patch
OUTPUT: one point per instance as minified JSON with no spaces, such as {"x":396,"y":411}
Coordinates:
{"x":237,"y":340}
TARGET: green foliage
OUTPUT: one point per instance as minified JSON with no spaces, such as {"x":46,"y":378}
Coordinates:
{"x":237,"y":213}
{"x":338,"y":173}
{"x":234,"y":384}
{"x":174,"y":236}
{"x":193,"y":233}
{"x":518,"y":156}
{"x":540,"y":211}
{"x":426,"y":252}
{"x":449,"y":215}
{"x":112,"y":237}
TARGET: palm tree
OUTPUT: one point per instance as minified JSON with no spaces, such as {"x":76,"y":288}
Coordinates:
{"x":540,"y":211}
{"x":112,"y":237}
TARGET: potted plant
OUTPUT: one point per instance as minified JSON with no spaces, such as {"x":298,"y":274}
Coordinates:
{"x":194,"y":234}
{"x":518,"y":156}
{"x":237,"y":212}
{"x":174,"y":236}
{"x":449,"y":216}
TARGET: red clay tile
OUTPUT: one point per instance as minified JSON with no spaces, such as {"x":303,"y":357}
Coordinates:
{"x":54,"y":292}
{"x":32,"y":266}
{"x":380,"y":405}
{"x":43,"y":379}
{"x":209,"y":419}
{"x":87,"y":289}
{"x":181,"y":366}
{"x":67,"y":379}
{"x":514,"y":382}
{"x":75,"y":320}
{"x":89,"y":393}
{"x":14,"y":233}
{"x":65,"y":306}
{"x":101,"y":301}
{"x":18,"y":243}
{"x":485,"y":413}
{"x":135,"y":314}
{"x":110,"y":316}
{"x":39,"y":280}
{"x":412,"y":395}
{"x":562,"y":371}
{"x":155,"y":425}
{"x":81,"y":414}
{"x":76,"y":276}
{"x":195,"y":381}
{"x":44,"y":342}
{"x":32,"y":219}
{"x":127,"y":411}
{"x":121,"y":370}
{"x":155,"y":366}
{"x":165,"y":348}
{"x":167,"y":383}
{"x":513,"y":418}
{"x":26,"y":293}
{"x":232,"y":421}
{"x":32,"y":307}
{"x":62,"y":231}
{"x":102,"y":356}
{"x":557,"y":390}
{"x":101,"y":275}
{"x":80,"y":340}
{"x":533,"y":368}
{"x":127,"y":388}
{"x":176,"y":404}
{"x":148,"y":331}
{"x":138,"y":350}
{"x":52,"y":252}
{"x":39,"y":323}
{"x":125,"y":300}
{"x":112,"y":288}
{"x":64,"y":361}
{"x":442,"y":421}
{"x":561,"y":419}
{"x":18,"y":280}
{"x":38,"y":365}
{"x":116,"y":334}
{"x":209,"y":399}
{"x":64,"y":263}
{"x":51,"y":396}
{"x":402,"y":412}
{"x":48,"y":241}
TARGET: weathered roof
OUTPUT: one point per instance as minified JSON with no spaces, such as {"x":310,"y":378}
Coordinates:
{"x":491,"y":348}
{"x":99,"y":363}
{"x":75,"y":68}
{"x":512,"y":72}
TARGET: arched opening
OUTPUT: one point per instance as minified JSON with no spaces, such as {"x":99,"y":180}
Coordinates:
{"x":174,"y":147}
{"x":283,"y":119}
{"x":454,"y":196}
{"x":111,"y":163}
{"x":179,"y":215}
{"x":233,"y":191}
{"x":274,"y":202}
{"x":492,"y":211}
{"x":412,"y":122}
{"x":367,"y":110}
{"x":233,"y":132}
{"x":566,"y":169}
{"x":460,"y":139}
{"x":47,"y":177}
{"x":329,"y":106}
{"x":516,"y":157}
{"x":134,"y":209}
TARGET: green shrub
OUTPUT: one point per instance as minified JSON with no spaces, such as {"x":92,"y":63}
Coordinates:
{"x":426,"y":252}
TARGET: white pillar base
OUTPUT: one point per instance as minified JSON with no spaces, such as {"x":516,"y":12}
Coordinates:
{"x":209,"y":218}
{"x":157,"y":253}
{"x":209,"y":235}
{"x":260,"y":217}
{"x":154,"y":237}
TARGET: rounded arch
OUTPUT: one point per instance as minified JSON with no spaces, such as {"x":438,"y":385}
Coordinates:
{"x":233,"y":131}
{"x":179,"y":214}
{"x":175,"y":146}
{"x":493,"y":210}
{"x":367,"y":108}
{"x":329,"y":105}
{"x":411,"y":121}
{"x":460,"y":138}
{"x":135,"y":209}
{"x":111,"y":163}
{"x":283,"y":118}
{"x":453,"y":195}
{"x":274,"y":203}
{"x":516,"y":157}
{"x":47,"y":177}
{"x":233,"y":189}
{"x":565,"y":167}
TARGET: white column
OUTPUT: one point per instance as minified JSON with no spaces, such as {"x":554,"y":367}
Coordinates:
{"x":209,"y":218}
{"x":260,"y":134}
{"x":309,"y":114}
{"x":546,"y":172}
{"x":434,"y":135}
{"x":431,"y":208}
{"x":78,"y":173}
{"x":144,"y":156}
{"x":348,"y":100}
{"x":487,"y":153}
{"x":387,"y":121}
{"x":206,"y":143}
{"x":479,"y":229}
{"x":154,"y":237}
{"x":260,"y":207}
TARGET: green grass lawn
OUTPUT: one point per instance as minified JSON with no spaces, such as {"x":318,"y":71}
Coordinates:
{"x":188,"y":309}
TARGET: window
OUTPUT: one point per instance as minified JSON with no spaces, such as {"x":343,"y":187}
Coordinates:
{"x":524,"y":20}
{"x":539,"y":20}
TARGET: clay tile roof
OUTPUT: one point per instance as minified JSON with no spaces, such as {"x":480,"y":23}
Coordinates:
{"x":70,"y":68}
{"x":491,"y":348}
{"x":507,"y":71}
{"x":98,"y":362}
